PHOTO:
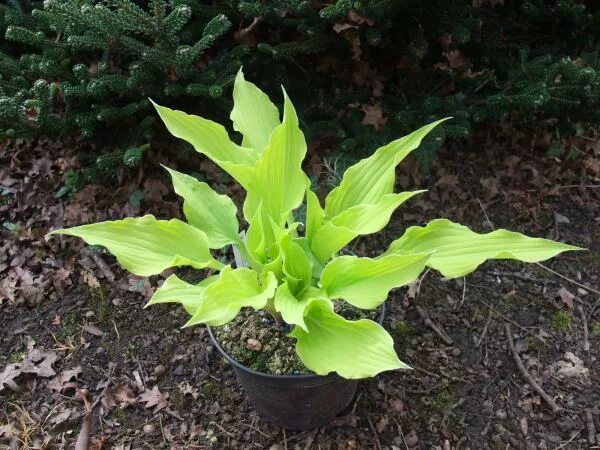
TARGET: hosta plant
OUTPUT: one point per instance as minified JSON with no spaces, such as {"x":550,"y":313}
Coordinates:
{"x":292,"y":270}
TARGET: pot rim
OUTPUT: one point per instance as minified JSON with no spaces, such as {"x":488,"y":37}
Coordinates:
{"x":305,"y":376}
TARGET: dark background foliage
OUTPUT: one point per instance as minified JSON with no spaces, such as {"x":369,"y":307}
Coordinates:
{"x":359,"y":72}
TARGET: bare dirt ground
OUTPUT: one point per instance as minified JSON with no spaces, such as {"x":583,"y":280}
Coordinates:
{"x":74,"y":337}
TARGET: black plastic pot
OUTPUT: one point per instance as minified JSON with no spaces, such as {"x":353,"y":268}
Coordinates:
{"x":295,"y":402}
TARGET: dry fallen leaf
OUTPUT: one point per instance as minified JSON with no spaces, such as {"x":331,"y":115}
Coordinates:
{"x":570,"y":367}
{"x":559,"y":218}
{"x":91,"y":280}
{"x":122,"y":446}
{"x":450,"y":181}
{"x":8,"y":431}
{"x":566,"y":296}
{"x":120,"y":395}
{"x":37,"y":362}
{"x":154,"y":398}
{"x":186,"y":389}
{"x":382,"y":424}
{"x":93,"y":330}
{"x":8,"y":287}
{"x":455,"y":59}
{"x":63,"y":416}
{"x":62,"y":381}
{"x":98,"y":444}
{"x":8,"y":375}
{"x":491,"y":187}
{"x":373,"y":116}
{"x":339,"y":27}
{"x":359,"y":18}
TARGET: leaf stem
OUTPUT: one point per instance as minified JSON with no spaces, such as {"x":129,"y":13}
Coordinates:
{"x":270,"y":308}
{"x":248,"y":258}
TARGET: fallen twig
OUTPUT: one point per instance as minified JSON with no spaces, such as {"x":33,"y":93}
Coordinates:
{"x":541,"y":339}
{"x":402,"y":435}
{"x":356,"y":402}
{"x":426,"y":391}
{"x":464,"y":292}
{"x":310,"y":439}
{"x":487,"y":426}
{"x":576,"y":283}
{"x":437,"y":375}
{"x":569,"y":186}
{"x":485,"y":214}
{"x":420,"y":281}
{"x":564,"y":444}
{"x":377,"y":443}
{"x":438,"y":330}
{"x":541,"y":265}
{"x":586,"y":336}
{"x":555,"y":408}
{"x":116,"y":330}
{"x":220,"y":427}
{"x":519,"y":276}
{"x":106,"y":271}
{"x":162,"y":430}
{"x":83,"y":439}
{"x":485,"y":328}
{"x":589,"y":420}
{"x":460,"y":402}
{"x":242,"y":33}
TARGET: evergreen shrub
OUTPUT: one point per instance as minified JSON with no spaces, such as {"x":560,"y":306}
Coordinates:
{"x":363,"y":71}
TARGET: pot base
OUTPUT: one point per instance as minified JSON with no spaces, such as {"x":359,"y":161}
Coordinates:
{"x":298,"y":404}
{"x":295,"y":402}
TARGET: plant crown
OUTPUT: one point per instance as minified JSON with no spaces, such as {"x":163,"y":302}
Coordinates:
{"x":295,"y":271}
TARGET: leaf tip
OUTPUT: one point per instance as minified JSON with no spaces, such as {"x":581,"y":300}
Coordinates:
{"x":240,"y":74}
{"x":48,"y":236}
{"x":404,"y":366}
{"x":169,"y":170}
{"x":188,"y":324}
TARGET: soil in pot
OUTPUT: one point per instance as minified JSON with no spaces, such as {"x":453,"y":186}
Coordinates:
{"x":254,"y":340}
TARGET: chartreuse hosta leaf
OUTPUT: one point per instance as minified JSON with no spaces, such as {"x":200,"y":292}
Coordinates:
{"x":353,"y":349}
{"x":146,"y":246}
{"x":293,"y":276}
{"x":253,"y":114}
{"x":205,"y":209}
{"x":457,"y":251}
{"x":291,"y":307}
{"x":314,"y":215}
{"x":233,"y":290}
{"x":365,"y":282}
{"x":278,"y":182}
{"x":297,"y":266}
{"x":175,"y":290}
{"x":263,"y":237}
{"x":366,"y":218}
{"x":373,"y":177}
{"x":212,"y":140}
